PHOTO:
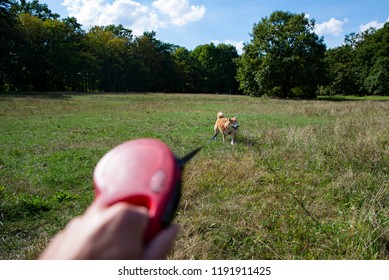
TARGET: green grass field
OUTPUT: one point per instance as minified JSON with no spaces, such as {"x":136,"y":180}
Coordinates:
{"x":306,"y":180}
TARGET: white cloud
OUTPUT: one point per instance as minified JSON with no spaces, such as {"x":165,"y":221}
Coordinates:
{"x":179,"y":11}
{"x":331,"y":27}
{"x":375,"y":24}
{"x":237,"y":44}
{"x":133,"y":14}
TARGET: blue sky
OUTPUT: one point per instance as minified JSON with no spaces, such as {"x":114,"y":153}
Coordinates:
{"x":189,"y":23}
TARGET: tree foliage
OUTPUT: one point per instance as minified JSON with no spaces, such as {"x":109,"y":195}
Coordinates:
{"x":285,"y":58}
{"x":9,"y":38}
{"x":216,"y":68}
{"x":33,"y":8}
{"x":42,"y":52}
{"x":361,"y":65}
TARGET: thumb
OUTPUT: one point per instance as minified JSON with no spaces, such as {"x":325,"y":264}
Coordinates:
{"x":160,"y":246}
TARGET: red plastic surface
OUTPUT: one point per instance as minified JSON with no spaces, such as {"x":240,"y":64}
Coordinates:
{"x":141,"y":172}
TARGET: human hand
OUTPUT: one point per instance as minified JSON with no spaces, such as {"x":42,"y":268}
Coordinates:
{"x":114,"y":232}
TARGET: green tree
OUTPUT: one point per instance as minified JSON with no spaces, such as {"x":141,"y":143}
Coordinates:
{"x":361,"y":65}
{"x":108,"y":54}
{"x":34,"y":8}
{"x":120,"y":32}
{"x":247,"y":67}
{"x":184,"y":70}
{"x":342,"y":74}
{"x":205,"y":74}
{"x":215,"y":69}
{"x":371,"y":59}
{"x":226,"y":68}
{"x":43,"y":52}
{"x":31,"y":63}
{"x":377,"y":83}
{"x":154,"y":69}
{"x":9,"y":39}
{"x":285,"y":58}
{"x":48,"y":56}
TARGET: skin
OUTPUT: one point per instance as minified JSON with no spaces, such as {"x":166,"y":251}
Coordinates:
{"x":109,"y":233}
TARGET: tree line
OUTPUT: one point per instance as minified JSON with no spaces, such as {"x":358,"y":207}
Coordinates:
{"x":44,"y":53}
{"x":284,"y":58}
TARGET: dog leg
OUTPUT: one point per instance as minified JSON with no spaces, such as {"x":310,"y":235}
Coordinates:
{"x":224,"y":137}
{"x":233,"y":138}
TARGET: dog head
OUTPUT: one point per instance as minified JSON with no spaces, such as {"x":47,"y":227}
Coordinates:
{"x":233,"y":123}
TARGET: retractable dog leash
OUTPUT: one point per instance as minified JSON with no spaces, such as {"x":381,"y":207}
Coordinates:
{"x":143,"y":172}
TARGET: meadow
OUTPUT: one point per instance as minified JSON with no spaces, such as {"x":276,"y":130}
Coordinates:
{"x":306,"y":180}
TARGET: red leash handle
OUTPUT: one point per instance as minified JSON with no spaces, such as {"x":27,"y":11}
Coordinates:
{"x":142,"y":172}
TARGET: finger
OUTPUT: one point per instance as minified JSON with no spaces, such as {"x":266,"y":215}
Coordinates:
{"x":121,"y":211}
{"x":123,"y":231}
{"x":130,"y":216}
{"x":161,"y":245}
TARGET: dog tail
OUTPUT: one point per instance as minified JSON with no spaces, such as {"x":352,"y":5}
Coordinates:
{"x":220,"y":115}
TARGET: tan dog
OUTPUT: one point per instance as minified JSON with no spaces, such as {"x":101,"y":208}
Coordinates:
{"x":226,"y":127}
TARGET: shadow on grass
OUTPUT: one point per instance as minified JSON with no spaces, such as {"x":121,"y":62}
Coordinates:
{"x":37,"y":94}
{"x":340,"y":98}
